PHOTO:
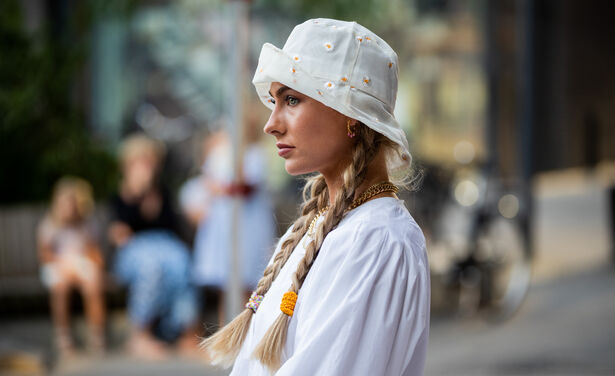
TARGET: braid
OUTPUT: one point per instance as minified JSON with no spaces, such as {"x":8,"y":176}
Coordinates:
{"x":269,"y":350}
{"x":225,"y":344}
{"x":317,"y":186}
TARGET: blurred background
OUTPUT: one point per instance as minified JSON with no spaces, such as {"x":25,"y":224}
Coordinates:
{"x":129,"y":132}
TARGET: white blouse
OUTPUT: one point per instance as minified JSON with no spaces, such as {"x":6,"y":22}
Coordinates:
{"x":364,"y":306}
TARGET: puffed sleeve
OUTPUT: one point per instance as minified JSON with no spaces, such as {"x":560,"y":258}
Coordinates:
{"x":365,"y":310}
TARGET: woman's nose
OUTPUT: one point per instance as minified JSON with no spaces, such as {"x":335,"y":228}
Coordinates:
{"x":274,"y":125}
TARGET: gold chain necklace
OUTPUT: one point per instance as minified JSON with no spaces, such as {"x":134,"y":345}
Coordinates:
{"x":372,"y":191}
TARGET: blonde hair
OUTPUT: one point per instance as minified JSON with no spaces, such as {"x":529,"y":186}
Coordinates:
{"x":80,"y":189}
{"x":138,"y":145}
{"x":224,"y":345}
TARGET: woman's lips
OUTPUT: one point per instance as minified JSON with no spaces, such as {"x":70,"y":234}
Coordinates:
{"x":284,"y":149}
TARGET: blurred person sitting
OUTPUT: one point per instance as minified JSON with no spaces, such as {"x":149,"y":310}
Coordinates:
{"x":151,"y":259}
{"x":70,"y":258}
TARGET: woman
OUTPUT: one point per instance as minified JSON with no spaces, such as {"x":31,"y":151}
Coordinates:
{"x":255,"y":230}
{"x":347,"y":290}
{"x":151,"y":259}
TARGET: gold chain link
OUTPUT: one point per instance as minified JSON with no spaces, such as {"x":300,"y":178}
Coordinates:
{"x":372,"y":191}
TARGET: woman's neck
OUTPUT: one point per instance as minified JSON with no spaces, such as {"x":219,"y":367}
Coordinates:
{"x":376,"y":173}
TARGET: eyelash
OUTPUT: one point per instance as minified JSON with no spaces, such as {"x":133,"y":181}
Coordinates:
{"x":287,"y":99}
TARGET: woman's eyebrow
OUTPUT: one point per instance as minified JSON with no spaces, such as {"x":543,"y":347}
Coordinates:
{"x":279,"y":92}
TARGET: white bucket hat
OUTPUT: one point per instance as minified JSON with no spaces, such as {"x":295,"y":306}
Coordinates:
{"x":344,"y":66}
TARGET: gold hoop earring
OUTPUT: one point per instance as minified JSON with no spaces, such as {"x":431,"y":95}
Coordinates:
{"x":351,"y":132}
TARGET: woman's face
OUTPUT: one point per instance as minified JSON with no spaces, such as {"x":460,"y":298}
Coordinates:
{"x":139,"y":172}
{"x":310,"y":136}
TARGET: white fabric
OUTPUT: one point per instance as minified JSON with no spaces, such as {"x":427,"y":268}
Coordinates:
{"x":344,"y":66}
{"x":195,"y":196}
{"x":255,"y":229}
{"x":70,"y":247}
{"x":364,"y":306}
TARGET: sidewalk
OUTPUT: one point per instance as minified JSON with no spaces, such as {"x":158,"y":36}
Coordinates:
{"x":570,"y":223}
{"x":25,"y":350}
{"x":123,"y":365}
{"x":565,"y":328}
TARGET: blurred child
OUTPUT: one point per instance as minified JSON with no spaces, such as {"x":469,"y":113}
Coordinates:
{"x":70,"y":258}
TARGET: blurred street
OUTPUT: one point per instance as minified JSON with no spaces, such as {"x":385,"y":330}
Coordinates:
{"x":564,"y":328}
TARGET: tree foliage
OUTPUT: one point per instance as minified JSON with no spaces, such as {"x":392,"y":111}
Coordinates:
{"x":43,"y":127}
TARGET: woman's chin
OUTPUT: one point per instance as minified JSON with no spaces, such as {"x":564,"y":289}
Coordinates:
{"x":294,"y":170}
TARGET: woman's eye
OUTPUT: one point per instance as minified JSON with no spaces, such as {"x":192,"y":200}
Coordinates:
{"x":292,"y":101}
{"x":271,"y":100}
